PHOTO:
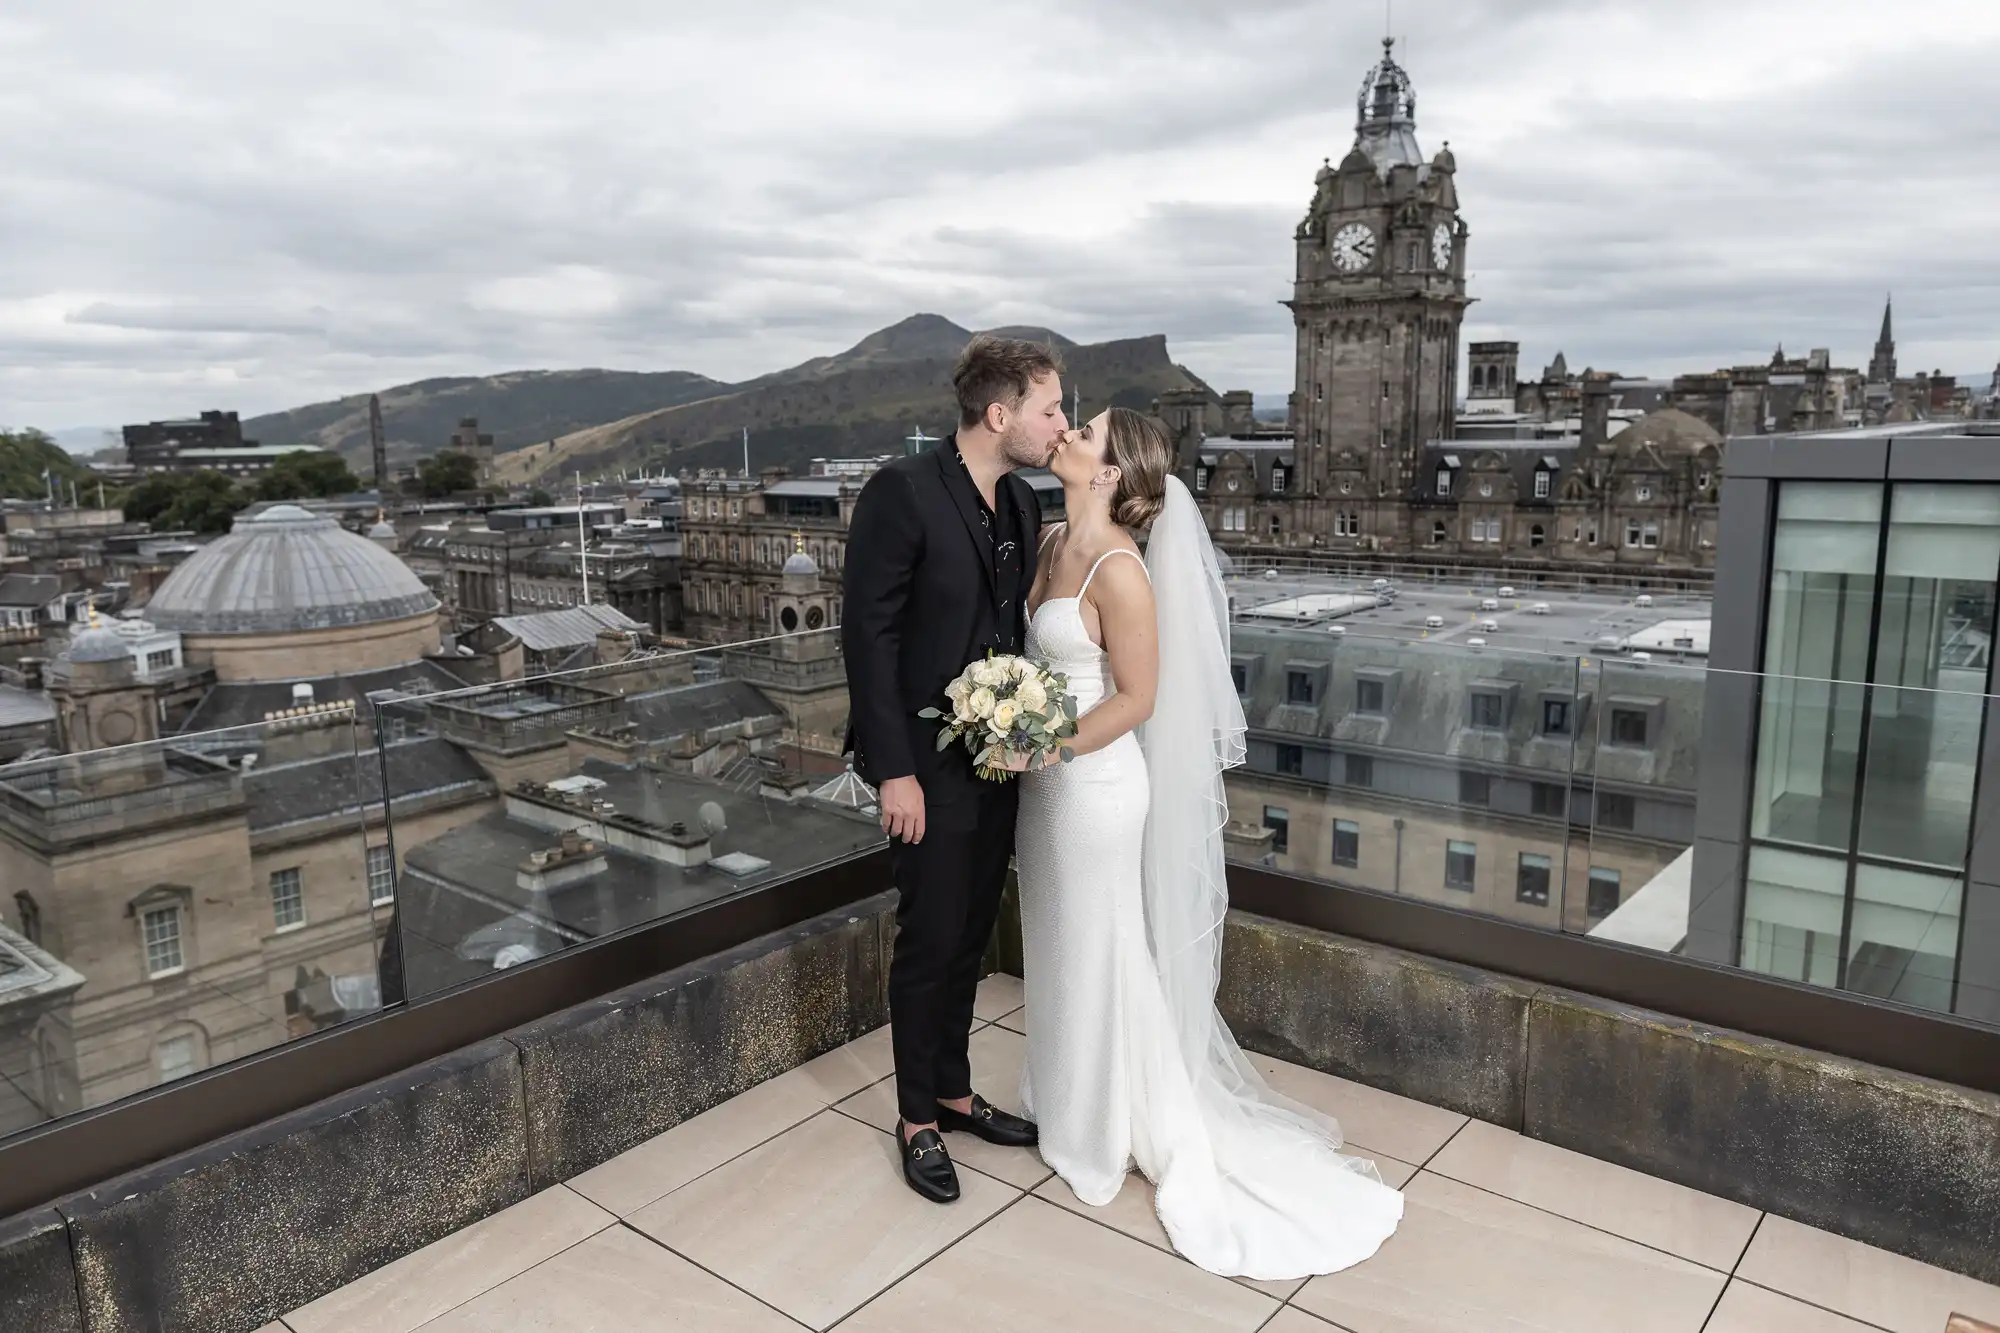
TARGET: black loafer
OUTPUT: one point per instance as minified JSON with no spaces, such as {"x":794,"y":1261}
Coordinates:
{"x":989,"y":1122}
{"x":927,"y":1166}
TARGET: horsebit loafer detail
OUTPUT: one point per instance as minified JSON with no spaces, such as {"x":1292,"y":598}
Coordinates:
{"x":989,"y":1122}
{"x":927,"y":1166}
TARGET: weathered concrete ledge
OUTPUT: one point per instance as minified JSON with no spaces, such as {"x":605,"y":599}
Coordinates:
{"x":1901,"y":1162}
{"x":235,"y":1233}
{"x":1440,"y":1033}
{"x":231,"y":1235}
{"x":613,"y":1073}
{"x":37,"y":1275}
{"x":1889,"y":1159}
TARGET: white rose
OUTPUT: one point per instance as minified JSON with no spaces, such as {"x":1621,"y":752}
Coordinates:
{"x":1021,"y":668}
{"x":1004,"y":713}
{"x":988,"y":673}
{"x":1032,"y":696}
{"x":957,"y":690}
{"x":981,"y":702}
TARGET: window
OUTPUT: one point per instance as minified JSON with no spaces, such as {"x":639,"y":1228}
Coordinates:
{"x":1649,"y":535}
{"x":1461,"y":859}
{"x":1548,"y":800}
{"x":1319,"y":389}
{"x":1201,"y":478}
{"x":1536,"y":536}
{"x":1489,"y":712}
{"x":1277,"y":525}
{"x":1631,"y":532}
{"x":1444,"y":483}
{"x":1291,"y":760}
{"x":1531,"y":880}
{"x":1602,"y":898}
{"x":160,"y":928}
{"x":1368,"y":696}
{"x":29,"y":913}
{"x":1437,"y":533}
{"x":1555,"y":717}
{"x":1298,"y":687}
{"x":1360,"y":770}
{"x":1346,"y":842}
{"x":1279,"y":821}
{"x":381,"y":876}
{"x":174,"y":1058}
{"x":1475,"y":789}
{"x":1541,"y":484}
{"x":160,"y":661}
{"x":1239,"y":675}
{"x":1628,"y":726}
{"x":1278,"y":479}
{"x":288,"y":901}
{"x":1614,"y":810}
{"x":1590,"y":539}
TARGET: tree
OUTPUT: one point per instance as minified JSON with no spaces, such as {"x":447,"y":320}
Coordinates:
{"x":540,"y":499}
{"x":306,"y":474}
{"x":447,"y":473}
{"x":201,"y":501}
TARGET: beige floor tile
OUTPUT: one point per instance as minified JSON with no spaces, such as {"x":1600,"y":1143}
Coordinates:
{"x":1037,"y":1267}
{"x":1371,"y":1119}
{"x":1291,"y":1319}
{"x":817,"y":1220}
{"x":1016,"y":1021}
{"x":1639,"y":1207}
{"x":1464,"y":1259}
{"x":615,"y":1282}
{"x":996,"y":1072}
{"x":274,"y":1328}
{"x":1132,"y":1213}
{"x":848,"y":1069}
{"x":1858,"y":1280}
{"x":999,"y":994}
{"x":668,"y":1161}
{"x":1748,"y":1309}
{"x":421,"y":1286}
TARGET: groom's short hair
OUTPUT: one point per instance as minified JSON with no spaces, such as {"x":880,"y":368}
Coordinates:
{"x":998,"y":370}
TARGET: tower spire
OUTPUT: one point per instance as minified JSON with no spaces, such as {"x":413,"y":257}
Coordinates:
{"x":1882,"y":366}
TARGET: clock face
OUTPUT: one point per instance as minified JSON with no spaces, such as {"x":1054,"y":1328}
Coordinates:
{"x":1353,"y":247}
{"x":1231,"y":484}
{"x":1441,"y":245}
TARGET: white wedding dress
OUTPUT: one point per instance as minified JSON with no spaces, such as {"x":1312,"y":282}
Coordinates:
{"x":1121,"y":1069}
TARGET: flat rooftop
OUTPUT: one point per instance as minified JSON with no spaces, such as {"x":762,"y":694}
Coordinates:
{"x":1574,"y":622}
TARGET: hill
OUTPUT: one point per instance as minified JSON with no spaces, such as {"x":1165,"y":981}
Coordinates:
{"x":24,"y":455}
{"x":862,"y":401}
{"x":518,"y":408}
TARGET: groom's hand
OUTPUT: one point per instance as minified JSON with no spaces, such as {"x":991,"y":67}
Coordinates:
{"x":902,"y":801}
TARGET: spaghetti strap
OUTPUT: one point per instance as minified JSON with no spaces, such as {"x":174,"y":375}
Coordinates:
{"x":1116,"y":550}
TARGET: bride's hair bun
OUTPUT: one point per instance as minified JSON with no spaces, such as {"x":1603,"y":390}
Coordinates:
{"x":1143,"y":450}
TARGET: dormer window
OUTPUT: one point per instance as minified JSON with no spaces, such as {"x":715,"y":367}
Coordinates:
{"x":1201,"y":477}
{"x":1278,"y":479}
{"x":1444,"y":483}
{"x":1541,"y":484}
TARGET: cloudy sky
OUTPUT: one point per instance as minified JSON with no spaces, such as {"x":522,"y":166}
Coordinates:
{"x":256,"y":205}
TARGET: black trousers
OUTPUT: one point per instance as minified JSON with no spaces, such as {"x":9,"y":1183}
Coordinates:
{"x":949,"y":889}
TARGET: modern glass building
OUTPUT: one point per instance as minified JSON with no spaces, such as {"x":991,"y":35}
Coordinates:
{"x":1844,"y":835}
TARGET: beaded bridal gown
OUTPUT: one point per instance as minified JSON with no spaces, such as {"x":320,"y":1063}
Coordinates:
{"x":1122,"y":1072}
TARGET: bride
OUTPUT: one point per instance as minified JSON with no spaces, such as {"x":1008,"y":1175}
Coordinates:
{"x":1119,"y":859}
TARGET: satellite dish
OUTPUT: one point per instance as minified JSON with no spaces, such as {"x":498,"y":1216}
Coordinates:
{"x":712,"y":818}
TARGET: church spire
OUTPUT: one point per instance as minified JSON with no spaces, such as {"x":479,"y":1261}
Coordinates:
{"x":1882,"y":366}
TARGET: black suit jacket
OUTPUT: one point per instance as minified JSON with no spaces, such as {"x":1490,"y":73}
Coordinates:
{"x":922,"y":600}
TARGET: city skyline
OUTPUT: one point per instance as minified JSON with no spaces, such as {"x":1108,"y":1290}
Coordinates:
{"x":261,"y":210}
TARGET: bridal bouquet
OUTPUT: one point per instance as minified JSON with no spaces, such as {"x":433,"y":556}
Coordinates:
{"x":1007,"y":703}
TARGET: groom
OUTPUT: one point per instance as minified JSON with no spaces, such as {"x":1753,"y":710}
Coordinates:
{"x":940,"y":557}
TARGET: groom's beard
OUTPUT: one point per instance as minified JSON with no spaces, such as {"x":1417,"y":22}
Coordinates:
{"x":1020,"y":452}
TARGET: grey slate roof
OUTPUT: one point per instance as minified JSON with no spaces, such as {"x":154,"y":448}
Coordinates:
{"x":29,"y":589}
{"x":569,"y":627}
{"x":317,"y":788}
{"x":686,"y":709}
{"x":240,"y":703}
{"x":24,"y":708}
{"x":287,"y":570}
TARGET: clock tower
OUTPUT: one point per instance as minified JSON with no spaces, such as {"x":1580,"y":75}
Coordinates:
{"x":1377,"y":303}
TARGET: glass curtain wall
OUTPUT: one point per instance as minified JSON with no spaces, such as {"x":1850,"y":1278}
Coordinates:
{"x":1877,"y":656}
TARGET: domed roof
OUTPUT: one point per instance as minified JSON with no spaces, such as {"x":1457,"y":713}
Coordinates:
{"x":1385,"y":114}
{"x":285,"y":571}
{"x":99,"y":643}
{"x":1668,"y":430}
{"x":798,"y":562}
